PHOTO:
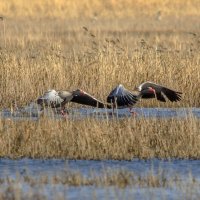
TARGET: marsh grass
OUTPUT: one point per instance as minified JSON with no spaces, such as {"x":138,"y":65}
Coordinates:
{"x":37,"y":55}
{"x":97,"y":8}
{"x":35,"y":62}
{"x":101,"y":139}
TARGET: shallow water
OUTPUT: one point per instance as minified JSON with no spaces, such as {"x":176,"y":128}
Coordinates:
{"x":51,"y":167}
{"x":32,"y":113}
{"x":55,"y":166}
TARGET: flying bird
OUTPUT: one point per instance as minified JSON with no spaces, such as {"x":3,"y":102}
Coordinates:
{"x":152,"y":90}
{"x":120,"y":97}
{"x":58,"y":99}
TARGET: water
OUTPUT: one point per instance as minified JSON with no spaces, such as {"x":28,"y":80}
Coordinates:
{"x":31,"y":112}
{"x":52,"y":167}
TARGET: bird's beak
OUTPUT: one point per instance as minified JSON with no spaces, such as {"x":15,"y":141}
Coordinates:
{"x":82,"y":92}
{"x":152,"y":90}
{"x":78,"y":92}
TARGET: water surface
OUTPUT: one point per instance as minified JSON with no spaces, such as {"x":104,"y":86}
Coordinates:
{"x":32,"y":113}
{"x":37,"y":167}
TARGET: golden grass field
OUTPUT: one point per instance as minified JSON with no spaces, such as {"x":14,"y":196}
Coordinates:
{"x":94,"y":139}
{"x":44,"y":45}
{"x":89,"y":8}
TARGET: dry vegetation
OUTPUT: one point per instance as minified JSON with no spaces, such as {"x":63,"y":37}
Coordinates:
{"x":37,"y":54}
{"x":33,"y":61}
{"x":89,"y":8}
{"x":101,"y":139}
{"x":43,"y":45}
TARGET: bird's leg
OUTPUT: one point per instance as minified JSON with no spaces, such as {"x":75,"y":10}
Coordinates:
{"x":113,"y":109}
{"x":64,"y":113}
{"x":133,"y":113}
{"x":14,"y":107}
{"x":111,"y":113}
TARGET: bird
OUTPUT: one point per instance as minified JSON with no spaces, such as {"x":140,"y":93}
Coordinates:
{"x":120,"y":97}
{"x":152,"y":90}
{"x":58,"y":99}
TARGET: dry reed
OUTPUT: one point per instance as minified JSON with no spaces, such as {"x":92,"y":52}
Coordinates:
{"x":94,"y":139}
{"x":34,"y":62}
{"x":97,"y":8}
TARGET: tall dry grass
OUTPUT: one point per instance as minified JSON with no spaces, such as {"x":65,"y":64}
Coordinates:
{"x":96,"y":8}
{"x":35,"y":57}
{"x":101,"y":139}
{"x":41,"y":53}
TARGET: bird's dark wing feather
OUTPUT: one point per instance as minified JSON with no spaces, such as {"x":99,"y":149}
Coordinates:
{"x":160,"y":97}
{"x":147,"y":95}
{"x":161,"y":91}
{"x":87,"y":99}
{"x":171,"y":94}
{"x":121,"y":97}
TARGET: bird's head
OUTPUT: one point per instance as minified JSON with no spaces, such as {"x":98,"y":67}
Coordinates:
{"x":147,"y":91}
{"x":151,"y":90}
{"x":78,"y":92}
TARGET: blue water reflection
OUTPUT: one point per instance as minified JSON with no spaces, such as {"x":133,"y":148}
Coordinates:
{"x":34,"y":114}
{"x":51,"y":167}
{"x":141,"y":167}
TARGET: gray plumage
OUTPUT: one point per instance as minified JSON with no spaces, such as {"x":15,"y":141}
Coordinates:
{"x":56,"y":99}
{"x":120,"y":97}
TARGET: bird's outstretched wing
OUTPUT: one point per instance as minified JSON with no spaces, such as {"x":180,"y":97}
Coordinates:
{"x":50,"y":98}
{"x":84,"y":98}
{"x":121,"y":97}
{"x":161,"y":92}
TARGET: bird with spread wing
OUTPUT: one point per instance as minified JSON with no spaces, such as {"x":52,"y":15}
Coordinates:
{"x":120,"y":97}
{"x":58,"y":99}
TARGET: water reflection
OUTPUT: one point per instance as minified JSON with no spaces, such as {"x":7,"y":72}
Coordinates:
{"x":52,"y":167}
{"x":32,"y":113}
{"x":141,"y":167}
